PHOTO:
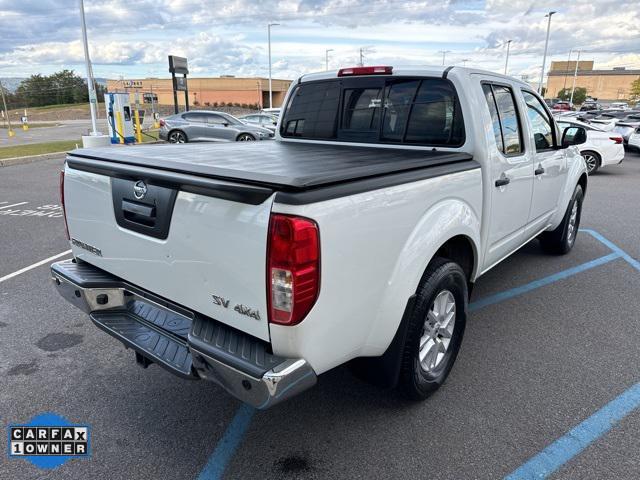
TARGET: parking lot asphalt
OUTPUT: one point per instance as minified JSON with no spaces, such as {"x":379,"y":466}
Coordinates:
{"x":534,"y":363}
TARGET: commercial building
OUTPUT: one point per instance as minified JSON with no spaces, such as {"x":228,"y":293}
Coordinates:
{"x":605,"y":85}
{"x":206,"y":91}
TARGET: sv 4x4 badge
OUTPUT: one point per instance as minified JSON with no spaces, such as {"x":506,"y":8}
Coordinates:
{"x":241,"y":309}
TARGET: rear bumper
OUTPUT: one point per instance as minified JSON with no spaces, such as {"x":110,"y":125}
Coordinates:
{"x":181,"y":341}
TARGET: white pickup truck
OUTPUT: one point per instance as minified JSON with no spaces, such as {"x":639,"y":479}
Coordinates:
{"x":355,"y":236}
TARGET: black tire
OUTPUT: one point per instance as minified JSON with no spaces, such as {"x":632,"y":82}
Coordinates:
{"x":593,"y":161}
{"x":560,"y":241}
{"x":177,"y":136}
{"x":442,"y":275}
{"x":245,"y":137}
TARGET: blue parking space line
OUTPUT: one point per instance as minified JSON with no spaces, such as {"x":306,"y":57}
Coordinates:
{"x":630,"y":260}
{"x":230,"y":441}
{"x":578,"y":438}
{"x":514,"y":292}
{"x":228,"y":444}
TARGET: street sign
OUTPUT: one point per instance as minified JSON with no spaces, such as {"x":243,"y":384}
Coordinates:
{"x":181,"y":84}
{"x":178,"y":65}
{"x":132,"y":83}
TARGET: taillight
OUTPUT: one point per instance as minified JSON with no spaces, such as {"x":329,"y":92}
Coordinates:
{"x":161,"y":122}
{"x":618,"y":140}
{"x":353,"y":71}
{"x":293,"y":268}
{"x":64,"y":210}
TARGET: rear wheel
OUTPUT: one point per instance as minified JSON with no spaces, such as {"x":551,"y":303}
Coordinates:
{"x":561,"y":240}
{"x":435,"y":329}
{"x":245,"y":137}
{"x":177,"y":137}
{"x":592,"y":159}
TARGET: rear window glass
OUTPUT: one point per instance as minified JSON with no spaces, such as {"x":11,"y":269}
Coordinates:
{"x":312,"y":111}
{"x":386,"y":110}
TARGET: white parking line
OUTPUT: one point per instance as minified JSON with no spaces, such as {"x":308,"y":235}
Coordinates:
{"x":14,"y":205}
{"x":30,"y":267}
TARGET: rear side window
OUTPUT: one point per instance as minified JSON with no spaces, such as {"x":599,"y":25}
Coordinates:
{"x":495,"y":119}
{"x":195,"y":117}
{"x":385,"y":110}
{"x":502,"y":107}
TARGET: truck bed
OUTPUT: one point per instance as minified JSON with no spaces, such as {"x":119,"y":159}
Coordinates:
{"x":284,"y":165}
{"x":299,"y":171}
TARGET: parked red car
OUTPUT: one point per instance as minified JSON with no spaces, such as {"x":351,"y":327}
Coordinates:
{"x":562,"y":106}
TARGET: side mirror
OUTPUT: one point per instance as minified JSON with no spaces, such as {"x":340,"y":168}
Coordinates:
{"x":573,"y":136}
{"x":225,"y":124}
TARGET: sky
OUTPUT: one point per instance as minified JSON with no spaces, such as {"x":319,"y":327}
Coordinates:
{"x":132,"y":38}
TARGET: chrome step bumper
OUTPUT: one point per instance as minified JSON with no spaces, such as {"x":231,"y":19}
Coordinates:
{"x":181,"y":341}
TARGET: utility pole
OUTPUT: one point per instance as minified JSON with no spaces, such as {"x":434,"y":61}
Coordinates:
{"x":575,"y":74}
{"x":546,"y":46}
{"x":269,"y":39}
{"x":10,"y":131}
{"x":361,"y":57}
{"x":444,"y":53}
{"x":90,"y":85}
{"x":567,"y":69}
{"x":326,"y":58}
{"x":506,"y":62}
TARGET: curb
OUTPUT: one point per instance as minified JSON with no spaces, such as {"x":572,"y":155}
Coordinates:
{"x":7,"y":162}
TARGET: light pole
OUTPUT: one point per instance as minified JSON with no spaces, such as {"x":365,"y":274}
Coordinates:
{"x":444,"y":53}
{"x":269,"y":37}
{"x":575,"y":74}
{"x":567,"y":69}
{"x":546,"y":45}
{"x":326,"y":58}
{"x":90,"y":85}
{"x":506,"y":62}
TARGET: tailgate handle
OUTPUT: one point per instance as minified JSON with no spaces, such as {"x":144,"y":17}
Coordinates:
{"x":135,"y":212}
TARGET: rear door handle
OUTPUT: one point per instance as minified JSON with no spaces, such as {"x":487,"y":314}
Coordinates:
{"x":539,"y":170}
{"x":502,"y":181}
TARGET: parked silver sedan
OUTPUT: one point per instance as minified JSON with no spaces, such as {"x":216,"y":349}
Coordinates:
{"x":263,"y":119}
{"x":203,"y":125}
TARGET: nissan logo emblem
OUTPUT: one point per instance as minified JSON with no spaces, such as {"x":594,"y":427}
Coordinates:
{"x":140,"y":189}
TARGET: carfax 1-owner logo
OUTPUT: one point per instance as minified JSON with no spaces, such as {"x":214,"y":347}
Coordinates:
{"x":49,"y":440}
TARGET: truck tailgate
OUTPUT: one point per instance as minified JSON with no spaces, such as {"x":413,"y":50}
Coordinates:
{"x":205,"y":253}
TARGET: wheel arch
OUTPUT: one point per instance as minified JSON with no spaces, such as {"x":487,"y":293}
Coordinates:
{"x":457,"y":237}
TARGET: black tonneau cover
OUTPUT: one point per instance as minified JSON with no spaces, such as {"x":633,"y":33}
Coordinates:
{"x":269,"y":166}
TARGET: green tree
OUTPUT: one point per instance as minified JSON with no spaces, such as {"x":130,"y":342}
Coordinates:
{"x":61,"y":87}
{"x":635,"y":90}
{"x":579,"y":95}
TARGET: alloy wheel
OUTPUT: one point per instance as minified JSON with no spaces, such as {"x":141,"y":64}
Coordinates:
{"x":437,"y":331}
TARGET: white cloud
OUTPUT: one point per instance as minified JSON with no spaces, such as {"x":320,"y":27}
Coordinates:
{"x":133,"y":37}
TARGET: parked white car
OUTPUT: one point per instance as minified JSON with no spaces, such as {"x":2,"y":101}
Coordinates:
{"x":634,"y":139}
{"x":607,"y":120}
{"x":619,"y":105}
{"x":356,"y":235}
{"x":601,"y":148}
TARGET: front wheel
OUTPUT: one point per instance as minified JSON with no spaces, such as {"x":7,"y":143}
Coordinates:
{"x":435,"y":329}
{"x":561,"y":240}
{"x":245,"y":137}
